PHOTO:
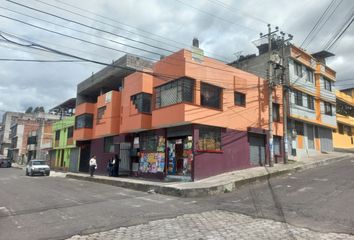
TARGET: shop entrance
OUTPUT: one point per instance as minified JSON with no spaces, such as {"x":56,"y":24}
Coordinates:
{"x":180,"y":156}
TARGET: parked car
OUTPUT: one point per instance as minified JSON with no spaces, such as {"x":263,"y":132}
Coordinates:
{"x":37,"y":166}
{"x":5,"y":163}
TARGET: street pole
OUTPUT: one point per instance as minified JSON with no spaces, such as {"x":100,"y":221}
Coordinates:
{"x":285,"y":98}
{"x":270,"y":98}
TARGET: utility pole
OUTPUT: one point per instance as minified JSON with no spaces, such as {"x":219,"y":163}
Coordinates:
{"x":285,"y":95}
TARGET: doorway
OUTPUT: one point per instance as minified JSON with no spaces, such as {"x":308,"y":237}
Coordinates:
{"x":180,"y":156}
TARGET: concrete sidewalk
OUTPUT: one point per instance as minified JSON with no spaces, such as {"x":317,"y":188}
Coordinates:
{"x":226,"y":182}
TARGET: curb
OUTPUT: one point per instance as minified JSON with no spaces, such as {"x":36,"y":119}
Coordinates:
{"x":209,"y":190}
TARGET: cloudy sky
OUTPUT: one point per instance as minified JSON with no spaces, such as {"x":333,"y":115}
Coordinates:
{"x":225,"y":28}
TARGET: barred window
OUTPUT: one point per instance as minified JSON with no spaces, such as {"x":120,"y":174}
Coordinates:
{"x":142,"y":102}
{"x":148,"y":141}
{"x":298,"y":98}
{"x":84,"y":121}
{"x":210,"y":95}
{"x":311,"y":102}
{"x":209,"y":138}
{"x":108,"y":145}
{"x":176,"y":91}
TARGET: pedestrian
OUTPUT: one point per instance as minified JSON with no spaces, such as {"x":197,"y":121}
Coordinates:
{"x":116,"y":166}
{"x":93,"y":165}
{"x":110,"y":165}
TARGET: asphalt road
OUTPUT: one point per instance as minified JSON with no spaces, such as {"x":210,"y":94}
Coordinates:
{"x":321,"y":199}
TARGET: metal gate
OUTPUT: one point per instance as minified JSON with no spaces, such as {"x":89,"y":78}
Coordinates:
{"x":124,"y":155}
{"x":326,"y":139}
{"x":74,"y":160}
{"x":310,"y":137}
{"x":257,"y":149}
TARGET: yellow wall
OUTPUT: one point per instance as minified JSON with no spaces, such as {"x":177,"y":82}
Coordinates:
{"x":343,"y":140}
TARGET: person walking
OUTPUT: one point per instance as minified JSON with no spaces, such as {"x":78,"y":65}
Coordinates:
{"x":93,"y":165}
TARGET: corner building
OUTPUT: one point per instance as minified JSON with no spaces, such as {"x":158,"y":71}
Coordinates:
{"x":185,"y":117}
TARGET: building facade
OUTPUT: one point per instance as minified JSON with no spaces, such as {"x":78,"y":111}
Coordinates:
{"x":186,"y":116}
{"x":311,"y":97}
{"x":65,"y":153}
{"x":9,"y":119}
{"x":343,"y":135}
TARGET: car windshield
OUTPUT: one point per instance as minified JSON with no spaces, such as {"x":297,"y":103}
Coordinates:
{"x":38,"y":163}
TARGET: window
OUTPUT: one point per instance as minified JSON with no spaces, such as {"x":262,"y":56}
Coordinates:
{"x":311,"y":102}
{"x":309,"y":75}
{"x":70,"y":132}
{"x":84,"y":121}
{"x":298,"y":69}
{"x":210,"y":95}
{"x":142,"y":102}
{"x":57,"y":135}
{"x":327,"y":84}
{"x":344,"y":109}
{"x":328,"y":108}
{"x":276,"y":144}
{"x":276,"y":113}
{"x":148,"y":141}
{"x":340,"y":128}
{"x":298,"y":98}
{"x":240,"y":99}
{"x":209,"y":138}
{"x":100,"y":113}
{"x":177,"y":91}
{"x":32,"y":140}
{"x":347,"y":130}
{"x":299,"y":127}
{"x":108,"y":145}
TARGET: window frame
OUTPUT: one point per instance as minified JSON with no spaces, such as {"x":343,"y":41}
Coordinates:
{"x":138,"y":101}
{"x":327,"y":84}
{"x":108,"y":147}
{"x":206,"y":86}
{"x":70,"y":130}
{"x":309,"y":75}
{"x":298,"y":69}
{"x":311,"y":99}
{"x":206,"y":133}
{"x":100,"y":113}
{"x":57,"y":135}
{"x":326,"y":112}
{"x":243,"y":99}
{"x":276,"y":112}
{"x":87,"y":118}
{"x":298,"y":95}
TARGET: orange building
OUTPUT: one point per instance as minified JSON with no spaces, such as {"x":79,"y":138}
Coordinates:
{"x":186,"y":116}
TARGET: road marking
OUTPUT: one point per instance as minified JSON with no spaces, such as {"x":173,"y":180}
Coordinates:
{"x":304,"y":189}
{"x":191,"y":202}
{"x":321,"y":179}
{"x":149,"y":200}
{"x":237,"y":201}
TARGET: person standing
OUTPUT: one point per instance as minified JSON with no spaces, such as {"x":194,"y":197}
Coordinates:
{"x":93,"y":165}
{"x":116,"y":165}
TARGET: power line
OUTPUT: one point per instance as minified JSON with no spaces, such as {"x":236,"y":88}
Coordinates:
{"x":341,"y":34}
{"x":318,"y":22}
{"x":37,"y":60}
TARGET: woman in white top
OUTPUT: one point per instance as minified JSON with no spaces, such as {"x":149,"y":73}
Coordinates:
{"x":93,"y":165}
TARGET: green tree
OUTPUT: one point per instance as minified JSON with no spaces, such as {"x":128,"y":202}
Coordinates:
{"x":29,"y":110}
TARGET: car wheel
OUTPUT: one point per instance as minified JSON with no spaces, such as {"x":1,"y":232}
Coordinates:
{"x":31,"y":173}
{"x":47,"y":174}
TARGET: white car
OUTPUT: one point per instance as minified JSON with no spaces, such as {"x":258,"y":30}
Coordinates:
{"x":36,"y":166}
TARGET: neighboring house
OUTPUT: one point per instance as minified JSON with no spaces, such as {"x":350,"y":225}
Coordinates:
{"x":9,"y":119}
{"x":64,"y":147}
{"x":311,"y":98}
{"x":187,"y":117}
{"x":343,"y":135}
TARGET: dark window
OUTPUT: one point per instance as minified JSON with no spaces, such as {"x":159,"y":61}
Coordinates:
{"x":57,"y":135}
{"x":176,"y":91}
{"x":209,"y":138}
{"x":344,"y":109}
{"x":298,"y":69}
{"x":108,"y":145}
{"x":309,"y":75}
{"x":298,"y":98}
{"x":276,"y":144}
{"x":310,"y":102}
{"x":210,"y":95}
{"x":142,"y":102}
{"x":70,"y":132}
{"x":240,"y":99}
{"x":32,"y":140}
{"x":100,"y":113}
{"x":327,"y":84}
{"x":84,"y":121}
{"x":347,"y":130}
{"x":148,"y":141}
{"x":299,"y":127}
{"x":340,"y":128}
{"x":276,"y":113}
{"x":328,"y":108}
